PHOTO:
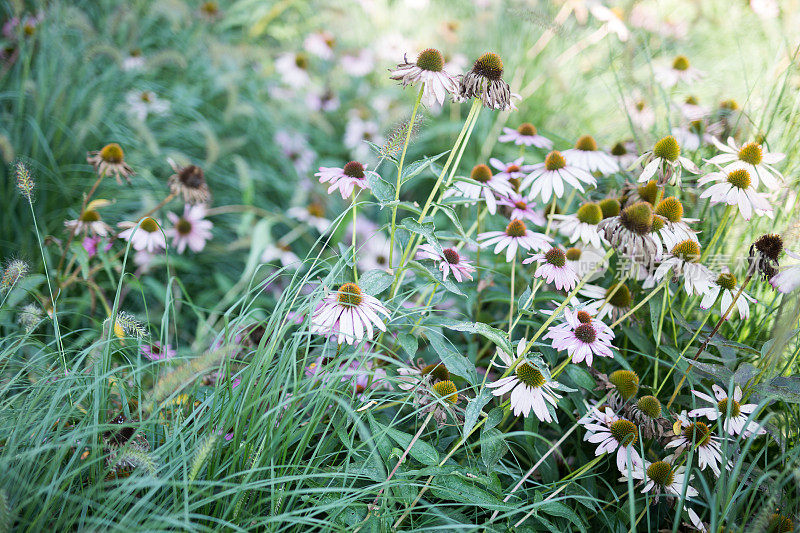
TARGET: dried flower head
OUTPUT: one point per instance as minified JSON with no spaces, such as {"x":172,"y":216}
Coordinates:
{"x":485,"y":81}
{"x":189,"y":182}
{"x":764,"y":254}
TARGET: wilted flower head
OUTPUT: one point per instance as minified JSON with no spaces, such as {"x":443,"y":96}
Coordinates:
{"x":110,"y":160}
{"x":190,"y":182}
{"x":485,"y":81}
{"x":764,"y":254}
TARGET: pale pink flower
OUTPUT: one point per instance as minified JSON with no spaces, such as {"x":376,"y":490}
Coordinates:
{"x":553,"y":268}
{"x":522,"y":208}
{"x":293,"y":68}
{"x":345,"y":179}
{"x":191,"y":229}
{"x":157,"y":351}
{"x":511,"y":171}
{"x":525,"y":135}
{"x":348,"y":314}
{"x":449,"y":261}
{"x":582,"y":336}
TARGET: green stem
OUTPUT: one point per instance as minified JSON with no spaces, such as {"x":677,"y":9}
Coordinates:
{"x":355,"y":262}
{"x":400,"y":173}
{"x":635,"y":308}
{"x":511,"y":299}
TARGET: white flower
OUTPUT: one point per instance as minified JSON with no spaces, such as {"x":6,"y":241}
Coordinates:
{"x":583,"y":225}
{"x":549,"y":177}
{"x":515,"y":236}
{"x":429,"y":70}
{"x":487,"y":186}
{"x":530,"y":389}
{"x":613,"y":23}
{"x":661,"y":477}
{"x":733,"y":413}
{"x":726,"y":282}
{"x":680,"y":71}
{"x":582,"y":336}
{"x":313,"y":215}
{"x":348,"y":314}
{"x":280,"y":252}
{"x":614,"y":434}
{"x":788,"y":279}
{"x":666,"y":157}
{"x":586,"y":156}
{"x":684,"y":260}
{"x":143,"y":103}
{"x":449,"y":261}
{"x":144,"y":236}
{"x":669,"y":224}
{"x":356,"y":131}
{"x":585,"y":259}
{"x":320,"y":44}
{"x":750,"y":157}
{"x":640,"y":113}
{"x":735,"y":188}
{"x":293,"y":68}
{"x":359,"y":64}
{"x":553,"y":268}
{"x":525,"y":135}
{"x":697,"y":434}
{"x":89,"y":221}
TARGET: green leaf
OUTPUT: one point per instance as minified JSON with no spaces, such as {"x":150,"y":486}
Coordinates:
{"x":493,"y":446}
{"x":473,"y":410}
{"x":375,"y":282}
{"x":497,"y":336}
{"x":559,"y":509}
{"x":495,"y":417}
{"x":455,"y":488}
{"x":580,"y":377}
{"x":421,"y":450}
{"x":454,"y":362}
{"x":381,"y":189}
{"x":409,"y":343}
{"x":437,"y":276}
{"x":426,"y":229}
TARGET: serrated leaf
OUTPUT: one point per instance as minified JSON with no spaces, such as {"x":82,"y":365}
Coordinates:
{"x":381,"y":189}
{"x":425,"y":229}
{"x":496,"y":336}
{"x":375,"y":282}
{"x":473,"y":410}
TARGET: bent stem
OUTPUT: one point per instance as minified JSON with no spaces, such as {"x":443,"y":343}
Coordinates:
{"x":721,"y":320}
{"x":400,"y":173}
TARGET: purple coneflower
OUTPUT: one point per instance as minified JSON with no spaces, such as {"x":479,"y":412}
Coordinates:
{"x":144,"y":236}
{"x":525,"y":135}
{"x":345,"y":179}
{"x":582,"y":336}
{"x":347,"y":314}
{"x":548,"y":178}
{"x":191,"y":229}
{"x":521,"y":208}
{"x":449,"y":261}
{"x":553,"y":268}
